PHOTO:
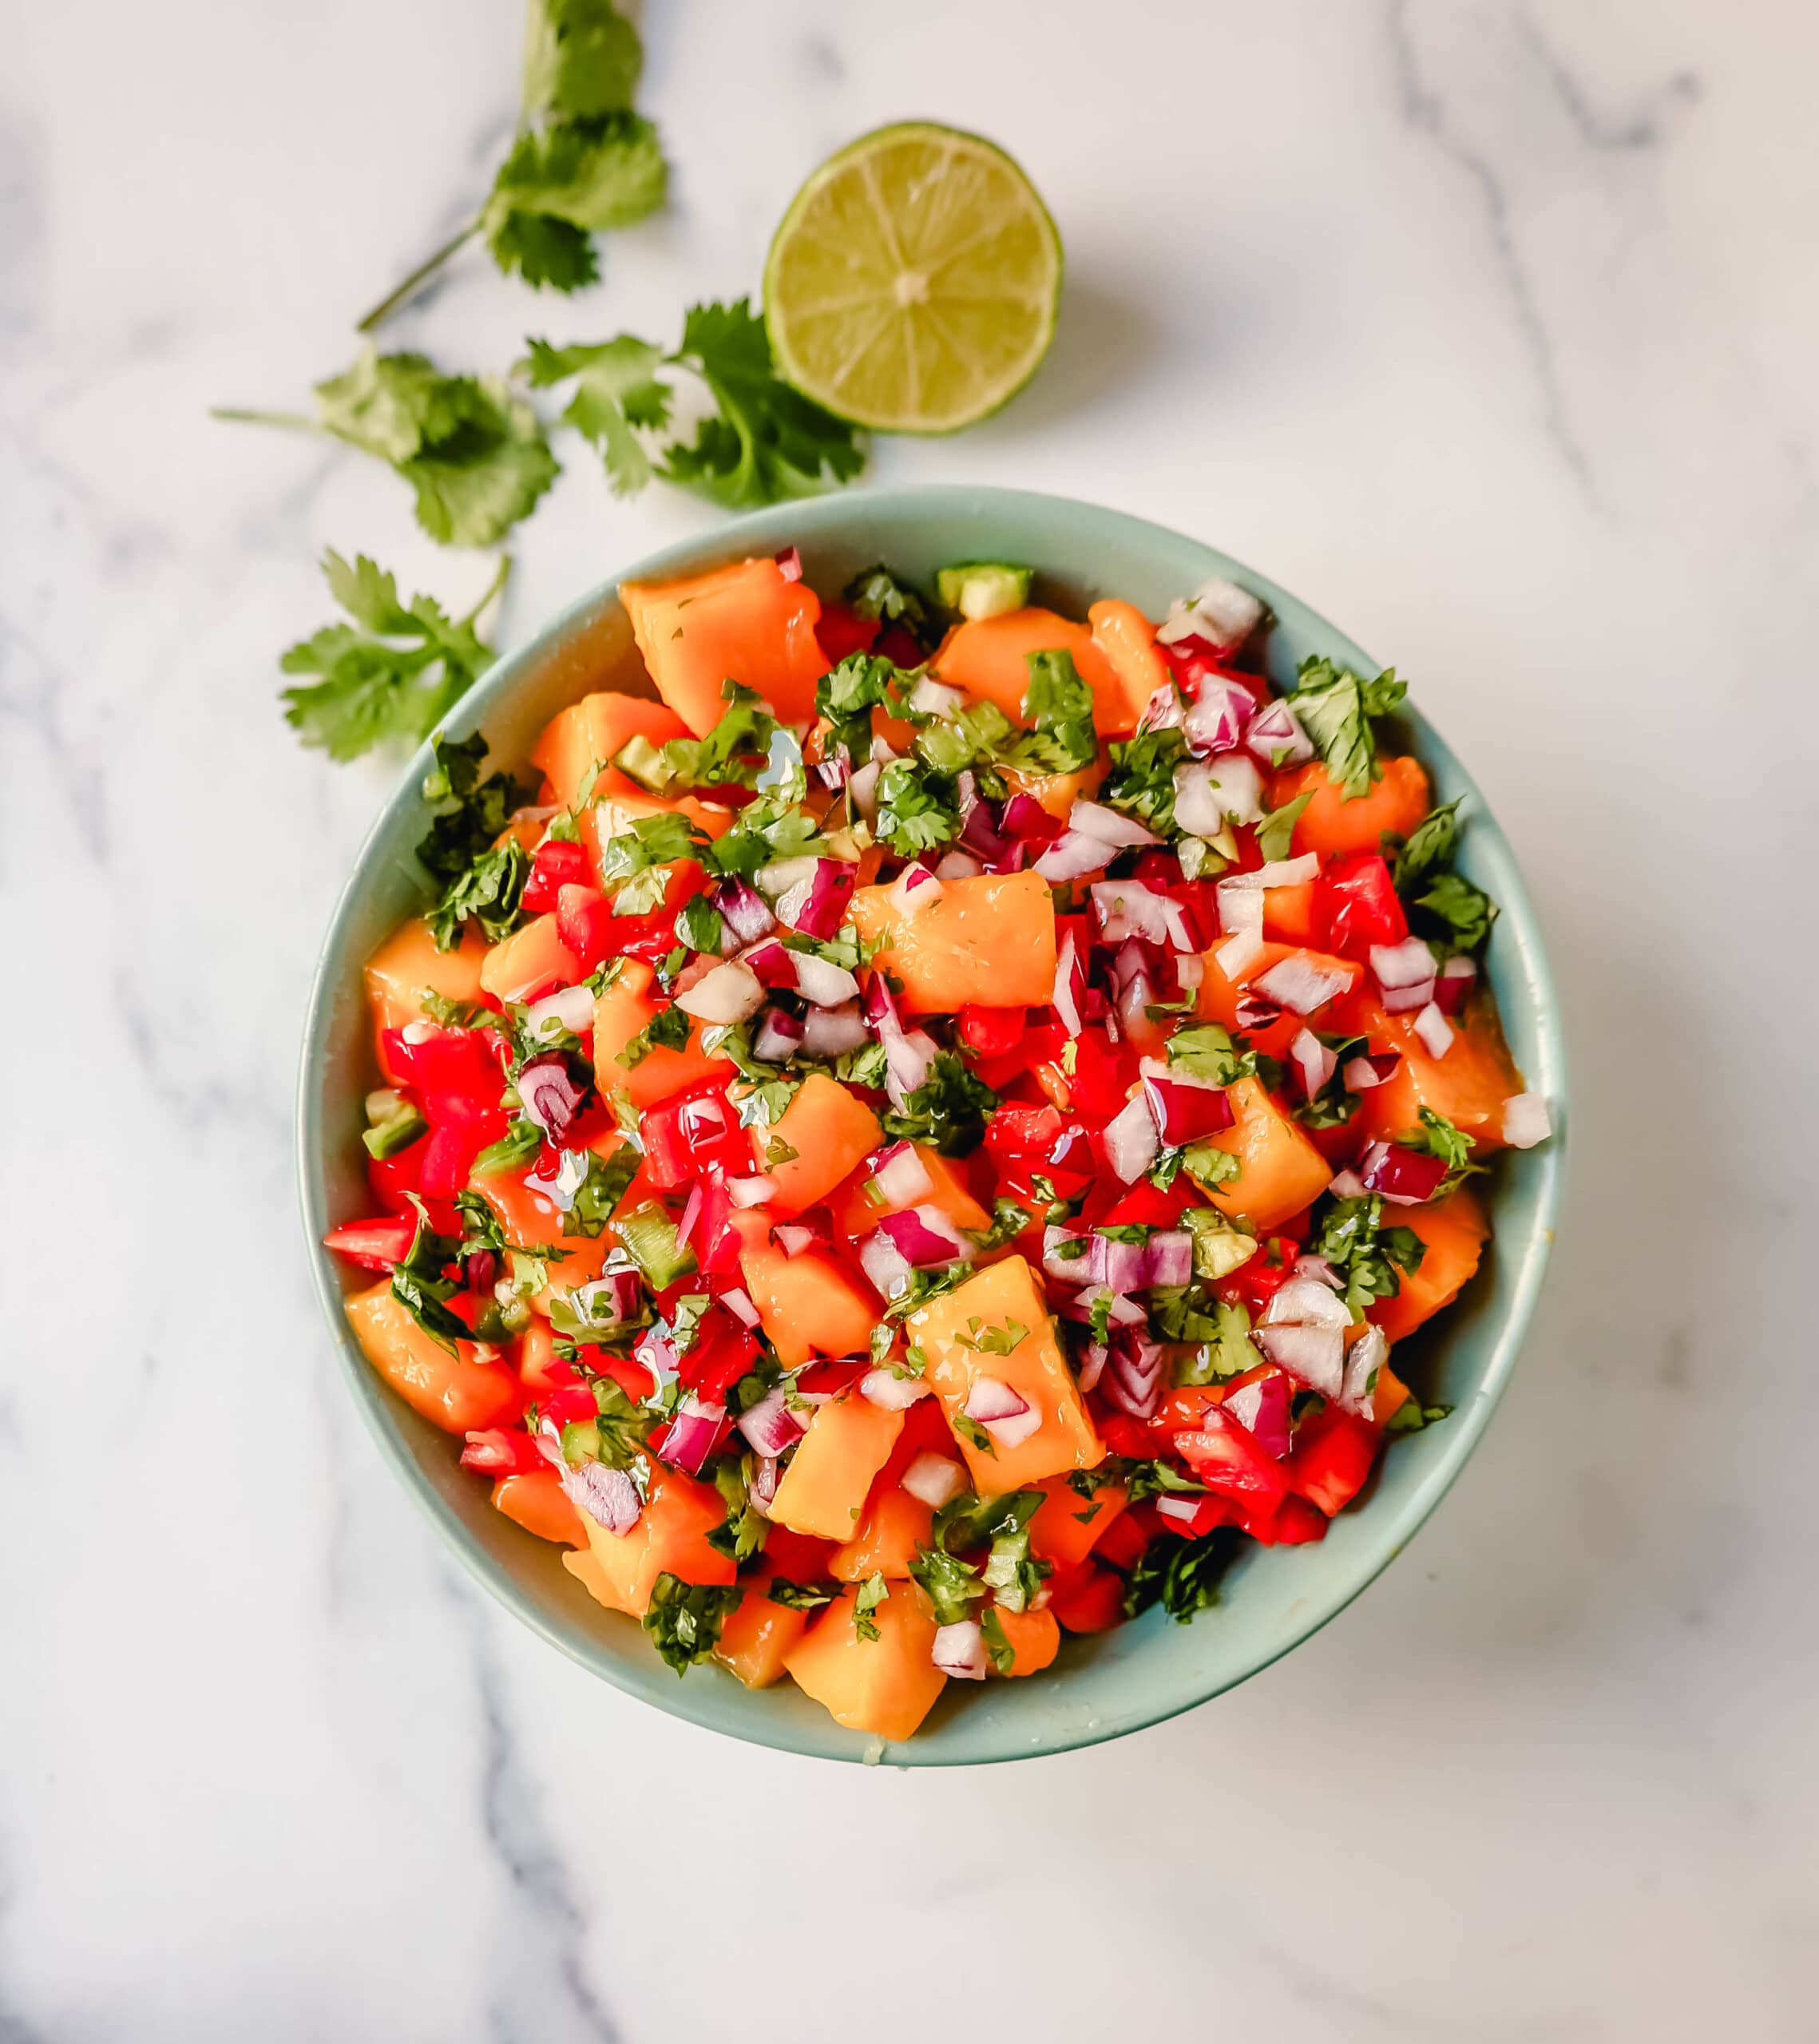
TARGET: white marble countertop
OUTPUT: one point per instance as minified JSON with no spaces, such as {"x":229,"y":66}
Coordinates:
{"x":1488,"y":328}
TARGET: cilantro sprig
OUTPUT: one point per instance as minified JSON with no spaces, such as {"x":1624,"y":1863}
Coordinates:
{"x":395,"y":672}
{"x":1335,"y":707}
{"x":479,"y":878}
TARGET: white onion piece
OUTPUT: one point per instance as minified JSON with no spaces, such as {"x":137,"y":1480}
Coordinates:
{"x":728,"y":991}
{"x":1276,"y":738}
{"x":1238,"y":954}
{"x":833,"y":1032}
{"x":1070,"y":984}
{"x":914,"y":886}
{"x":1108,"y":826}
{"x":1319,"y":1269}
{"x":1240,"y":907}
{"x":1218,"y":612}
{"x":1314,"y":1060}
{"x":991,"y":1398}
{"x":1073,"y":856}
{"x":1132,"y":908}
{"x":1434,"y":1030}
{"x":1525,"y":1120}
{"x":822,"y":983}
{"x":738,"y":1302}
{"x":1130,"y":1140}
{"x":770,"y":1425}
{"x":887,"y":1266}
{"x":1298,"y":984}
{"x":861,"y":790}
{"x":1064,"y":1270}
{"x":1304,"y":1301}
{"x":1360,"y":1075}
{"x":1164,"y":711}
{"x":934,"y":1479}
{"x":959,"y":1650}
{"x":1189,"y":970}
{"x":571,"y":1008}
{"x":781,"y":876}
{"x":1092,"y":1367}
{"x":1366,"y":1357}
{"x":1218,"y":718}
{"x":1346,"y":1185}
{"x":902,"y":1178}
{"x":1278,"y":872}
{"x":1013,"y":1430}
{"x":890,"y":1392}
{"x":751,"y":1191}
{"x":909,"y":1058}
{"x":1316,"y":1356}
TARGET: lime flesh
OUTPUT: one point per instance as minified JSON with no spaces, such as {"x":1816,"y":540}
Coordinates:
{"x":913,"y":284}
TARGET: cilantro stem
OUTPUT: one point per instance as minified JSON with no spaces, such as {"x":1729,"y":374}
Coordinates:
{"x":418,"y":277}
{"x":501,"y":577}
{"x":291,"y":421}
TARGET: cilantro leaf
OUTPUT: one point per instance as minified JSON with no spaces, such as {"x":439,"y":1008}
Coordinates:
{"x":874,"y":1591}
{"x":475,"y":455}
{"x":1429,"y":847}
{"x":766,"y":441}
{"x":479,"y":878}
{"x":1454,"y":914}
{"x":952,"y":1586}
{"x":734,"y":752}
{"x":395,"y":672}
{"x":1227,"y":1351}
{"x":998,"y":1647}
{"x":914,"y":813}
{"x":949,"y":1109}
{"x":1209,"y":1050}
{"x":565,"y":181}
{"x":1276,"y":833}
{"x":846,"y":695}
{"x":1412,"y":1416}
{"x":799,"y":1596}
{"x":975,"y":735}
{"x":877,"y":592}
{"x":1335,"y":707}
{"x":1352,"y":1237}
{"x":684,"y":1618}
{"x":1141,"y":780}
{"x":581,"y":56}
{"x":419,"y":1286}
{"x":616,"y":390}
{"x":1057,"y":705}
{"x":1182,"y":1576}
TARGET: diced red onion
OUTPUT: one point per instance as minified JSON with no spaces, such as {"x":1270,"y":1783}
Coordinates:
{"x":1092,"y":1365}
{"x":770,"y":1425}
{"x":1130,"y":1140}
{"x":881,"y":1004}
{"x":1134,"y":1003}
{"x":730,"y":993}
{"x":1064,"y":1270}
{"x":1304,"y":1301}
{"x":1263,"y":1408}
{"x":1365,"y":1357}
{"x":1219,"y":612}
{"x":1133,"y":1378}
{"x":692,"y":1435}
{"x":1163,"y":711}
{"x":1108,"y":826}
{"x":610,"y":1301}
{"x":890,"y":1391}
{"x":1132,"y":908}
{"x":1314,"y":1063}
{"x":1281,"y":872}
{"x":958,"y":865}
{"x":1455,"y":983}
{"x":690,"y":1214}
{"x":1190,"y":971}
{"x":1299,"y":984}
{"x":913,"y":885}
{"x":1184,"y":1108}
{"x":1070,"y":985}
{"x":1320,"y":1270}
{"x":822,"y":983}
{"x":832,"y":773}
{"x":1124,"y":1311}
{"x":1221,"y":714}
{"x":775,"y":964}
{"x":777,"y":879}
{"x":1073,"y":856}
{"x":934,"y":1479}
{"x":765,"y":1478}
{"x":1363,"y":1072}
{"x":909,"y":1058}
{"x":1525,"y":1120}
{"x":745,"y":911}
{"x":738,"y":1302}
{"x":833,"y":1032}
{"x":900,"y":1176}
{"x":959,"y":1650}
{"x":1170,"y":1251}
{"x":816,"y":906}
{"x":1254,"y":1013}
{"x":790,"y":564}
{"x":1240,"y":907}
{"x":1208,"y":794}
{"x":752,"y":1191}
{"x":780,"y":1037}
{"x":1026,"y":818}
{"x":1346,"y":1185}
{"x":1276,"y":738}
{"x":1315,"y":1355}
{"x":792,"y":1239}
{"x":608,"y":1496}
{"x":862,"y":789}
{"x":1408,"y":964}
{"x":549,"y":1094}
{"x":934,"y":699}
{"x":1005,"y":1415}
{"x":923,"y":1234}
{"x":559,"y":1183}
{"x":1121,"y":1267}
{"x":1238,"y":954}
{"x":1405,"y":1178}
{"x":1434,"y":1030}
{"x":884,"y":1263}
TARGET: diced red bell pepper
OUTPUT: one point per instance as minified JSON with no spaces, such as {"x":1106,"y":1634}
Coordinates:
{"x":1192,"y":666}
{"x":455,"y":1070}
{"x":558,"y":863}
{"x":393,"y":1179}
{"x":896,"y":645}
{"x":1040,"y":1141}
{"x":1087,"y":1598}
{"x":1252,"y":1285}
{"x":991,"y":1032}
{"x":586,"y":924}
{"x":1124,"y":1435}
{"x":797,"y":1557}
{"x":1192,"y":1517}
{"x":695,"y":1134}
{"x":1355,"y":905}
{"x":1331,"y":1458}
{"x":722,"y":1353}
{"x":374,"y":1244}
{"x":1227,"y":1459}
{"x":450,"y":1148}
{"x":568,"y":1403}
{"x":1001,"y":1073}
{"x":1143,"y":1207}
{"x":831,"y":1375}
{"x":1293,"y":1523}
{"x":1103,"y":1077}
{"x":839,"y":631}
{"x":1123,"y":1542}
{"x":502,"y":1451}
{"x":631,"y":1376}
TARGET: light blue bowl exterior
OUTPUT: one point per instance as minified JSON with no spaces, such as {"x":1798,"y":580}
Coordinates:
{"x":1274,"y":1599}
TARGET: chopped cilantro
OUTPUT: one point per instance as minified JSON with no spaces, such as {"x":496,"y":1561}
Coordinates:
{"x":949,"y":1109}
{"x":873,"y":1592}
{"x":1276,"y":833}
{"x":877,"y":592}
{"x":1002,"y":1653}
{"x":952,"y":1586}
{"x":1141,"y":780}
{"x":478,"y":879}
{"x":1453,"y":915}
{"x":913,"y":813}
{"x":799,"y":1596}
{"x":1057,"y":705}
{"x":1182,"y":1576}
{"x":700,"y":925}
{"x":684,"y":1618}
{"x":1335,"y":707}
{"x":1428,"y":847}
{"x":1210,"y":1052}
{"x":1352,"y":1237}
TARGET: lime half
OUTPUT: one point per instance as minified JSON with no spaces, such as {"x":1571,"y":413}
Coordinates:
{"x":913,"y":283}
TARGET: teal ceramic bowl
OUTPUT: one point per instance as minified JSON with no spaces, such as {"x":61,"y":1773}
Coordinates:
{"x":1274,"y":1599}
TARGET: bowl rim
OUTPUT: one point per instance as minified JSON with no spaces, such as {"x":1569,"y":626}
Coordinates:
{"x":763,"y":531}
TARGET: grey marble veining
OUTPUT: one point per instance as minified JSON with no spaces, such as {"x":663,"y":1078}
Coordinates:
{"x":1488,"y":327}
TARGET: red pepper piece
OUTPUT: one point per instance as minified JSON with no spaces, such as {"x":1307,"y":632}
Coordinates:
{"x":502,"y":1451}
{"x":559,"y":863}
{"x":1331,"y":1457}
{"x":454,"y":1070}
{"x":1355,"y":905}
{"x":695,"y":1134}
{"x":839,"y":631}
{"x":374,"y":1244}
{"x":991,"y":1032}
{"x":722,"y":1353}
{"x":1227,"y":1459}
